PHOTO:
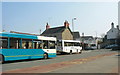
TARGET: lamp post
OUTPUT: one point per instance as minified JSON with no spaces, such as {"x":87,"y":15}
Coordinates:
{"x":73,"y":24}
{"x":83,"y":45}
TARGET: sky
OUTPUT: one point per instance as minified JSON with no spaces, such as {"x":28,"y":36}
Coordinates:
{"x":92,"y":18}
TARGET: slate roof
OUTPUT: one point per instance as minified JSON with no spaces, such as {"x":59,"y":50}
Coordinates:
{"x":55,"y":30}
{"x":76,"y":34}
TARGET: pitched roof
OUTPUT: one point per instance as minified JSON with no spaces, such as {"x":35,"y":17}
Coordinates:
{"x":87,"y":37}
{"x":54,"y":30}
{"x":76,"y":34}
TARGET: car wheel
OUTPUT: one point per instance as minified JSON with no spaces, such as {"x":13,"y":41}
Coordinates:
{"x":80,"y":52}
{"x":70,"y":51}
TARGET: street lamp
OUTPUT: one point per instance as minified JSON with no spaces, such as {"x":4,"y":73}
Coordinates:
{"x":83,"y":45}
{"x":73,"y":24}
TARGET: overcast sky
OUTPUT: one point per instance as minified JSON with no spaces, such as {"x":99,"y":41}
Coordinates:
{"x":91,"y":17}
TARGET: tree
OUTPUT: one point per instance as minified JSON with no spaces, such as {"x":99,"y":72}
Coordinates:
{"x":102,"y":35}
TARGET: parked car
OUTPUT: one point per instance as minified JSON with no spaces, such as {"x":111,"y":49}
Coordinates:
{"x":116,"y":47}
{"x":111,"y":46}
{"x":88,"y":48}
{"x":93,"y":46}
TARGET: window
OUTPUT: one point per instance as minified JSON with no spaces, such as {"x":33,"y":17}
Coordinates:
{"x":27,"y":44}
{"x":38,"y":44}
{"x":52,"y":44}
{"x":68,"y":44}
{"x":45,"y":44}
{"x":65,"y":44}
{"x":93,"y":45}
{"x":14,"y":43}
{"x":3,"y":43}
{"x":76,"y":44}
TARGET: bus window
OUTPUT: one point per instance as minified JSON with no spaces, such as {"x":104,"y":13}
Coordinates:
{"x":14,"y":43}
{"x":76,"y":44}
{"x":52,"y":44}
{"x":38,"y":44}
{"x":45,"y":44}
{"x":3,"y":43}
{"x":68,"y":44}
{"x":65,"y":44}
{"x":27,"y":44}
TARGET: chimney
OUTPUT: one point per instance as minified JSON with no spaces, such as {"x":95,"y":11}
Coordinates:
{"x":118,"y":27}
{"x":112,"y":25}
{"x":66,"y":24}
{"x":47,"y":26}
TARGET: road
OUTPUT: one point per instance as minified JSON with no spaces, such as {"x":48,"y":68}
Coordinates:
{"x":95,"y":61}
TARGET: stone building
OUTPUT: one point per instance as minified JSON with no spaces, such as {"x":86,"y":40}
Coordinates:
{"x":61,"y":33}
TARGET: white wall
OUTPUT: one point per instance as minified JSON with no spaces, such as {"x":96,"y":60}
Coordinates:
{"x":112,"y":33}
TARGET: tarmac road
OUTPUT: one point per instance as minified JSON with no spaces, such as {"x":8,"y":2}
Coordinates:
{"x":95,"y":61}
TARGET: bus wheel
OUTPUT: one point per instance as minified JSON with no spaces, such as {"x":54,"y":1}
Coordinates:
{"x":80,"y":52}
{"x":70,"y":51}
{"x":1,"y":59}
{"x":45,"y":56}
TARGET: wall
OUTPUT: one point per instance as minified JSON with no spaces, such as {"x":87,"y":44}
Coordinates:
{"x":57,"y":35}
{"x":112,"y":33}
{"x":66,"y":35}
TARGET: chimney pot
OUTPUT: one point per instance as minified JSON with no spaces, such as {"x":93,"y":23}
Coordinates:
{"x":118,"y":27}
{"x":66,"y":24}
{"x":112,"y":25}
{"x":47,"y":26}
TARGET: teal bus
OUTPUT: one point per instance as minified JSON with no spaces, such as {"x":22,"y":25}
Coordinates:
{"x":15,"y":46}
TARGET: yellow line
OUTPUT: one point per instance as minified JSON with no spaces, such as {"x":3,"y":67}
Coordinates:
{"x":24,"y":55}
{"x":29,"y":55}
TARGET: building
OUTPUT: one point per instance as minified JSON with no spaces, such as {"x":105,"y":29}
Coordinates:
{"x":113,"y":34}
{"x":88,"y":39}
{"x":61,"y":33}
{"x":76,"y":36}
